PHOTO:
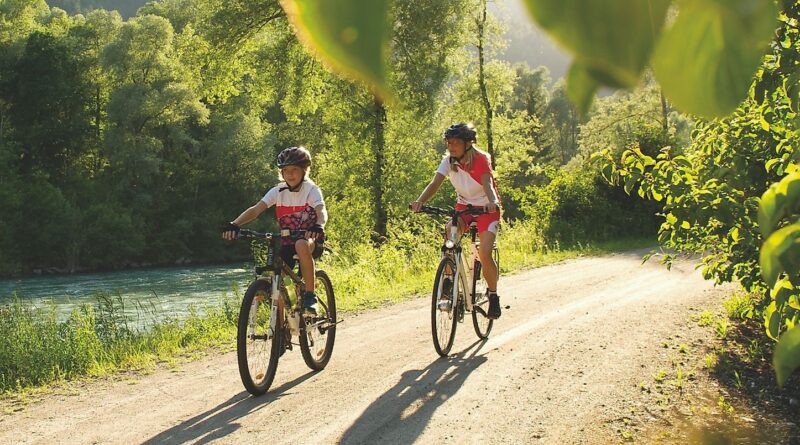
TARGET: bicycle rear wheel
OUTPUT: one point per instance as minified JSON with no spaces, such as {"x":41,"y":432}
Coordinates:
{"x":257,"y":348}
{"x":319,"y":333}
{"x":443,"y":322}
{"x":480,"y":303}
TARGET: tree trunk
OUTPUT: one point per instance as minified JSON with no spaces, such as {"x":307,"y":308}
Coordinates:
{"x":379,"y":147}
{"x":481,"y":22}
{"x":664,"y":122}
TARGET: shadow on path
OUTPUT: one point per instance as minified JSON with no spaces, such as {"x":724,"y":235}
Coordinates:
{"x":220,"y":421}
{"x":401,"y":414}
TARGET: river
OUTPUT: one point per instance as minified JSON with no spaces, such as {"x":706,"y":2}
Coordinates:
{"x":166,"y":292}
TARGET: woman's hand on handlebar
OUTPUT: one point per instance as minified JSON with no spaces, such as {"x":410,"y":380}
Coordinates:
{"x":491,"y":207}
{"x":230,"y":231}
{"x":416,"y":206}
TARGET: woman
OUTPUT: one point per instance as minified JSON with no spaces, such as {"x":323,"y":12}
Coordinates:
{"x":470,"y":172}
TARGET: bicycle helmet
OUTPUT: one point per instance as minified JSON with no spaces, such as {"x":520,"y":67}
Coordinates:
{"x":462,"y":131}
{"x":299,"y":156}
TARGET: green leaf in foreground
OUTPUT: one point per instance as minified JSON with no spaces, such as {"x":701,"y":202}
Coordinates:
{"x":706,"y":61}
{"x":612,"y":40}
{"x":777,"y":201}
{"x":581,"y":87}
{"x":779,"y":253}
{"x":349,"y":35}
{"x":787,"y":355}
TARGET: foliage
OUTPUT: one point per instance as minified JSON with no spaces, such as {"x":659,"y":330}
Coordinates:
{"x":578,"y":207}
{"x":612,"y":43}
{"x":712,"y":194}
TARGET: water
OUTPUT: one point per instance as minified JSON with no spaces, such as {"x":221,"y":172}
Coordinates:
{"x":169,"y":291}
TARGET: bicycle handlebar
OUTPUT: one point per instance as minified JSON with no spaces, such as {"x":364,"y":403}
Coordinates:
{"x":252,"y":234}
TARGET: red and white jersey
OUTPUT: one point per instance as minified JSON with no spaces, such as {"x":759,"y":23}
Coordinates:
{"x":295,"y":209}
{"x":468,"y":182}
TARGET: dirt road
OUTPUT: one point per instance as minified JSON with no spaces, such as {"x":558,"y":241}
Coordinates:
{"x":577,"y":340}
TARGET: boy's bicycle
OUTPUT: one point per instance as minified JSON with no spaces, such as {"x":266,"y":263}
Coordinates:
{"x":459,"y":286}
{"x":269,"y":318}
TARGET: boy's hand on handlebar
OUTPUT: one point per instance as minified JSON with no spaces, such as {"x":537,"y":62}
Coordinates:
{"x":491,"y":207}
{"x":230,"y":231}
{"x":315,"y":232}
{"x":415,"y":206}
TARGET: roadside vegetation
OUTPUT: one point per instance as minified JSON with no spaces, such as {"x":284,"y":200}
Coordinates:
{"x":37,"y":349}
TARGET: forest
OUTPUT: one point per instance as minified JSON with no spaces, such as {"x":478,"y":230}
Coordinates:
{"x":128,"y":142}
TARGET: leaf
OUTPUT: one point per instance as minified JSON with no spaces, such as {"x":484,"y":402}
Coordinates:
{"x":581,"y":88}
{"x":787,"y":355}
{"x":777,"y":201}
{"x":706,"y":61}
{"x":772,"y":321}
{"x":612,"y":40}
{"x":791,"y":86}
{"x":764,"y":124}
{"x":779,"y":253}
{"x":350,"y":35}
{"x":656,"y":195}
{"x":769,"y":165}
{"x":781,"y":292}
{"x":607,"y":171}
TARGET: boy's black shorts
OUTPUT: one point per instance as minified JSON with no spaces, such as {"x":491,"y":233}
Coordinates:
{"x":288,"y":251}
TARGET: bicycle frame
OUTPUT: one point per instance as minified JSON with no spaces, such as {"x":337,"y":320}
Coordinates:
{"x":273,"y":273}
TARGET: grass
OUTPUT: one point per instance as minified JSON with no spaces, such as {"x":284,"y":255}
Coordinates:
{"x":36,"y":349}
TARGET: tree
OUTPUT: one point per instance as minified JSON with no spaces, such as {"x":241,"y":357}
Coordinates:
{"x":50,"y":106}
{"x":481,"y":23}
{"x":562,"y":116}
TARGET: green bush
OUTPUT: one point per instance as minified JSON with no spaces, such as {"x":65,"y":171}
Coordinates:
{"x":578,"y":207}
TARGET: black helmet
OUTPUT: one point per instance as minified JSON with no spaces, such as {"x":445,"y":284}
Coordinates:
{"x":462,"y":131}
{"x":298,"y":156}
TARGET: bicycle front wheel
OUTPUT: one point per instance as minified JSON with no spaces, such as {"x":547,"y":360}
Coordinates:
{"x":319,"y":333}
{"x":444,"y":307}
{"x":257,"y":348}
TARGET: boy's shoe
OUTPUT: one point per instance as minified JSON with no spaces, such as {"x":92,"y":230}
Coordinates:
{"x":494,"y":307}
{"x":310,"y":303}
{"x":446,"y":299}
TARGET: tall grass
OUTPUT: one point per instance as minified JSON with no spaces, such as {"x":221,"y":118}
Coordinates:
{"x":37,"y":349}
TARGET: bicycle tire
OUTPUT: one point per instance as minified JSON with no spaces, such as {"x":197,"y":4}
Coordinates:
{"x":319,"y":333}
{"x":443,"y":323}
{"x":257,"y":353}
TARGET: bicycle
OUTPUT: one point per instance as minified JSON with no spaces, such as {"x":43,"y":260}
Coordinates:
{"x":269,"y":318}
{"x":455,"y":265}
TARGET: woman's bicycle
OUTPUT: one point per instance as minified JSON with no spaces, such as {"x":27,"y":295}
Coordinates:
{"x":269,"y":318}
{"x":459,"y":286}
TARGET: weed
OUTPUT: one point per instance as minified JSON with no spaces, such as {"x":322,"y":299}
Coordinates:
{"x":721,"y":326}
{"x":706,"y":318}
{"x":739,"y":306}
{"x":724,"y":405}
{"x":680,"y":378}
